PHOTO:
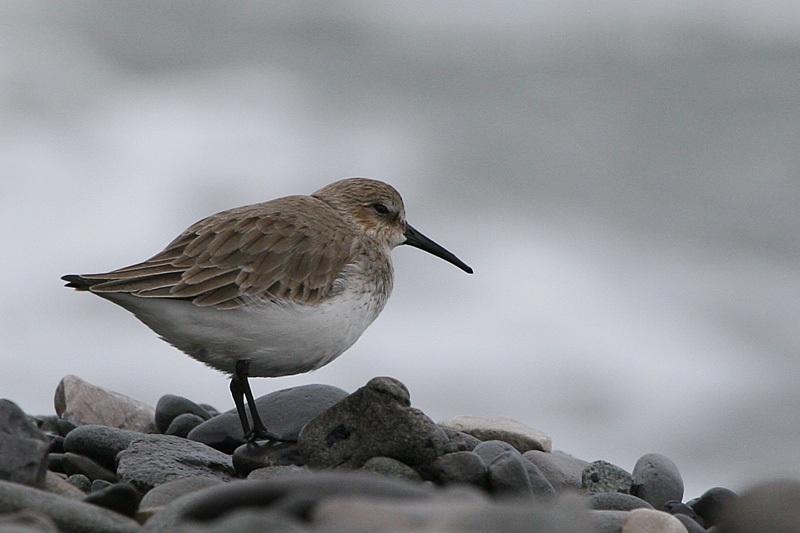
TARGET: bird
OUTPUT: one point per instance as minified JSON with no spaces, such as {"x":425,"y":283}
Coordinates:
{"x":271,"y":289}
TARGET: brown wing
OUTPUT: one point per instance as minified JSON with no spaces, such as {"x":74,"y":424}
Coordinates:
{"x":292,"y":249}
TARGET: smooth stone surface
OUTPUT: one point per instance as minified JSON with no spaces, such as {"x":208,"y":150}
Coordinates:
{"x":82,"y":403}
{"x":676,"y":507}
{"x":773,"y":506}
{"x":183,"y":424}
{"x":294,"y":496}
{"x":601,"y":476}
{"x":608,"y":521}
{"x":73,"y":463}
{"x":284,"y":412}
{"x":119,"y":497}
{"x":67,"y":514}
{"x":522,"y":437}
{"x":458,"y":441}
{"x":252,"y":456}
{"x":391,"y":468}
{"x":246,"y":520}
{"x":27,"y":522}
{"x":616,"y":501}
{"x":651,"y":521}
{"x":565,"y":515}
{"x":657,"y":480}
{"x":461,"y":467}
{"x":101,"y":443}
{"x":99,"y":484}
{"x":23,"y":448}
{"x":157,"y":459}
{"x":170,"y":491}
{"x":562,"y":470}
{"x":504,"y":466}
{"x":171,"y":406}
{"x":376,"y":420}
{"x":689,"y":523}
{"x":710,"y":505}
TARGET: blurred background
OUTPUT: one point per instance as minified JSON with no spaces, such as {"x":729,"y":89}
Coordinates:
{"x":624,"y":177}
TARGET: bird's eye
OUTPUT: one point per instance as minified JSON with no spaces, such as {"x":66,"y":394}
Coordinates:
{"x":380,"y":209}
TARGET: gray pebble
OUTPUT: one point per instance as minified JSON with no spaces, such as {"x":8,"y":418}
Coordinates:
{"x":562,"y":470}
{"x":657,"y":480}
{"x":171,"y":406}
{"x":23,"y":448}
{"x":616,"y":501}
{"x":461,"y":467}
{"x":181,"y":425}
{"x":100,"y":443}
{"x":391,"y":468}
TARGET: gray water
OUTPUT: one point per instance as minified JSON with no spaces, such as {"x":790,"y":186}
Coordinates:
{"x":624,"y":179}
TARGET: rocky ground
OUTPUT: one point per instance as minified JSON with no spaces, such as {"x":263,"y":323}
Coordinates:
{"x":365,"y":461}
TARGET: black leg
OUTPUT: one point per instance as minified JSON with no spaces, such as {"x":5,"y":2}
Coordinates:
{"x":242,"y":387}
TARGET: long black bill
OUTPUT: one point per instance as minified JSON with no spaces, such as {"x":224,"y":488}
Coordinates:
{"x":418,"y":240}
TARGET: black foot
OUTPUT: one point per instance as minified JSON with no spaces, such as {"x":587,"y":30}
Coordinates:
{"x":240,"y":390}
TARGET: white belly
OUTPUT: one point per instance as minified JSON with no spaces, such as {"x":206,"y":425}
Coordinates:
{"x":277,"y":339}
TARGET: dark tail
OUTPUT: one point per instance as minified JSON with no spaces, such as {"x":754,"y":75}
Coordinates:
{"x":75,"y":281}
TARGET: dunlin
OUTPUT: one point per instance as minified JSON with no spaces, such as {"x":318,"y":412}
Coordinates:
{"x":271,"y":289}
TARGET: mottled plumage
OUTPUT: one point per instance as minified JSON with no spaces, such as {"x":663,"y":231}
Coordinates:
{"x":270,"y":289}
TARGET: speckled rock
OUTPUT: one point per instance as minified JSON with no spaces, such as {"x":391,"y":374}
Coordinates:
{"x":81,"y":403}
{"x":458,"y":441}
{"x":601,"y":476}
{"x":376,"y":420}
{"x":275,"y":472}
{"x":522,"y":437}
{"x":23,"y":448}
{"x":157,"y":459}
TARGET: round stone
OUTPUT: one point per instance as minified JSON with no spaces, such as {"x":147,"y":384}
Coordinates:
{"x":657,"y":480}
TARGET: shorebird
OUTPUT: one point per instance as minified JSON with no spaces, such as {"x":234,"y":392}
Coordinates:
{"x":271,"y":289}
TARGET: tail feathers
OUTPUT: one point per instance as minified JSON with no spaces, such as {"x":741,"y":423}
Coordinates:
{"x":75,"y":281}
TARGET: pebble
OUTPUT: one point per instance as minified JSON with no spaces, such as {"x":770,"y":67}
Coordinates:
{"x":284,"y":412}
{"x":773,"y":507}
{"x":171,"y":406}
{"x":509,"y":473}
{"x":23,"y":447}
{"x":458,"y":441}
{"x":73,"y":463}
{"x":376,"y":420}
{"x":55,"y":484}
{"x":709,"y":506}
{"x":181,"y":425}
{"x":391,"y":468}
{"x":461,"y":467}
{"x":82,"y":403}
{"x":80,"y":482}
{"x":100,"y":443}
{"x":522,"y":437}
{"x":602,"y":476}
{"x":272,"y":472}
{"x":251,"y":456}
{"x":651,"y":521}
{"x":66,"y":513}
{"x":657,"y":480}
{"x":562,"y":470}
{"x":616,"y":501}
{"x":119,"y":497}
{"x":676,"y":507}
{"x":155,"y":459}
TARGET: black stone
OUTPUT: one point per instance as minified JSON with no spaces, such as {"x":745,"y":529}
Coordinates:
{"x":100,"y":443}
{"x":251,"y":456}
{"x":55,"y":462}
{"x":119,"y":497}
{"x":284,"y":412}
{"x":709,"y":506}
{"x":23,"y":448}
{"x":181,"y":425}
{"x":73,"y":463}
{"x":170,"y":406}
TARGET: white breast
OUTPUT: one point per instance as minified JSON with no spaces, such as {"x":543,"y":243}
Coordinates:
{"x":277,"y":338}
